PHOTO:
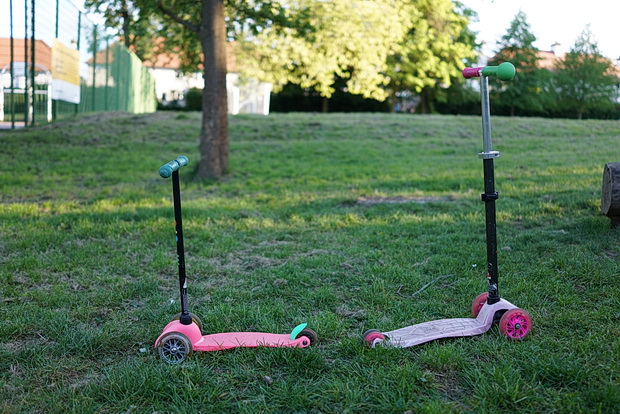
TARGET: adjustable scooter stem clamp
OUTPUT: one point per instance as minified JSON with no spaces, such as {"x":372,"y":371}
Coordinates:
{"x":486,"y":197}
{"x":488,"y":155}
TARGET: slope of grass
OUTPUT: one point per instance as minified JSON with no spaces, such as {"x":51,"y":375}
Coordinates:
{"x":300,"y":231}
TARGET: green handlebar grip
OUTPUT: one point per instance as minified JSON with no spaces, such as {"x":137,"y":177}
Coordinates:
{"x":505,"y":71}
{"x":166,"y":170}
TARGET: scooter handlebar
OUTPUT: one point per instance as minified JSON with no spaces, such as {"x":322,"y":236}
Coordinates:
{"x":505,"y":71}
{"x":166,"y":170}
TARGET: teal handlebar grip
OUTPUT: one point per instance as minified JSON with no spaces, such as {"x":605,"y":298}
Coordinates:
{"x":166,"y":170}
{"x":505,"y":71}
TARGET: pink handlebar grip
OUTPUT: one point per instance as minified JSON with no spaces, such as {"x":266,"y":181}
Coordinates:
{"x":469,"y":73}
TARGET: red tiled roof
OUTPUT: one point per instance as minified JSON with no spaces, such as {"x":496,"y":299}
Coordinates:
{"x":42,"y":52}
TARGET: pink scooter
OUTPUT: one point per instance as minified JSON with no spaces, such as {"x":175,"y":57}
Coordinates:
{"x":183,"y":335}
{"x":488,"y":307}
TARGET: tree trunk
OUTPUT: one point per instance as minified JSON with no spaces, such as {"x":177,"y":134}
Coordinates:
{"x":126,"y":21}
{"x":424,"y":105}
{"x":214,"y":133}
{"x":392,"y":100}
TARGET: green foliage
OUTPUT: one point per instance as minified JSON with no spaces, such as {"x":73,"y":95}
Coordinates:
{"x":350,"y":40}
{"x":525,"y":92}
{"x":193,"y":100}
{"x":582,"y":83}
{"x":586,"y":81}
{"x":292,"y":98}
{"x":434,"y":51}
{"x":377,"y":47}
{"x":135,"y":27}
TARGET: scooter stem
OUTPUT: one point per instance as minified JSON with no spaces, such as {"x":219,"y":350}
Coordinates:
{"x":166,"y":171}
{"x":490,"y":195}
{"x":504,"y":72}
{"x":486,"y":121}
{"x":185,"y":318}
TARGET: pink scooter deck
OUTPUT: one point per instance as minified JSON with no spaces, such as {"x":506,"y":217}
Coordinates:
{"x":443,"y":328}
{"x":222,"y":341}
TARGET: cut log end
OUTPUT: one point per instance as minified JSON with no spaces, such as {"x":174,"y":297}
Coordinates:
{"x":610,"y":195}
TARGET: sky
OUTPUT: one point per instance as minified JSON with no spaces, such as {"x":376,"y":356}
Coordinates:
{"x":550,"y":21}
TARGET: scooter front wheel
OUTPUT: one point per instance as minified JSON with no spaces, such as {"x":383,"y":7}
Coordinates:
{"x":478,"y":303}
{"x":515,"y":324}
{"x":174,"y":347}
{"x":195,"y":319}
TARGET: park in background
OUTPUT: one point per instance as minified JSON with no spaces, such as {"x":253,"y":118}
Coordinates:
{"x":56,"y":62}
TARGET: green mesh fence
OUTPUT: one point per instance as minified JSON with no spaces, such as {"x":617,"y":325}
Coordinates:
{"x":111,"y":78}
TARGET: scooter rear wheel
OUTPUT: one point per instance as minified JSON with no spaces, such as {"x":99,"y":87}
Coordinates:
{"x":308,"y":333}
{"x":174,"y":347}
{"x":372,"y":334}
{"x":478,"y":303}
{"x":515,"y":324}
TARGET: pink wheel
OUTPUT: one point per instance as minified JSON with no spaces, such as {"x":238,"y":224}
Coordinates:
{"x":478,"y":303}
{"x":516,"y":324}
{"x":372,"y":334}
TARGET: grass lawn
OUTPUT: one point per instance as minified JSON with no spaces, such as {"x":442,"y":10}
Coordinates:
{"x":300,"y":231}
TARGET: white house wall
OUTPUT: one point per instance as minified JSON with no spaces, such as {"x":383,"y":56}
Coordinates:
{"x":244,"y":96}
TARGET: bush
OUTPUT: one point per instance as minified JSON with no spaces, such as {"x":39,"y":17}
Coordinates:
{"x":193,"y":100}
{"x":293,"y":98}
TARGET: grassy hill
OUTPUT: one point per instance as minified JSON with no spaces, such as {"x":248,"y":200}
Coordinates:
{"x":336,"y":220}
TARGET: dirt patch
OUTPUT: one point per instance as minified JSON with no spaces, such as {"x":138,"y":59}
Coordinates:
{"x":449,"y":386}
{"x":28,"y":341}
{"x":371,"y":201}
{"x":345,"y":311}
{"x":116,"y":116}
{"x":244,"y":262}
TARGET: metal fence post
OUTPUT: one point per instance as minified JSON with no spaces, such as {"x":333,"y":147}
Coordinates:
{"x":11,"y":67}
{"x":79,"y":32}
{"x":54,"y":102}
{"x":26,"y":100}
{"x":56,"y":27}
{"x":32,"y":66}
{"x":94,"y":65}
{"x":107,"y":71}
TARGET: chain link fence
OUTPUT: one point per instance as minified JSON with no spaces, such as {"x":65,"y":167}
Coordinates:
{"x":54,"y":62}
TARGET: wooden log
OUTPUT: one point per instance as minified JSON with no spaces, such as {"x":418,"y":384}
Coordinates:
{"x":610,"y":199}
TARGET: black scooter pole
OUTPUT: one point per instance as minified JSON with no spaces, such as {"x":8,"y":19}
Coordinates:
{"x":166,"y":171}
{"x":490,"y":195}
{"x":504,"y":72}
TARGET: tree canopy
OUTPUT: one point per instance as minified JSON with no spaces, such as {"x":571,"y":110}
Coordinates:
{"x":434,"y":50}
{"x":586,"y":80}
{"x":350,"y":39}
{"x":517,"y":47}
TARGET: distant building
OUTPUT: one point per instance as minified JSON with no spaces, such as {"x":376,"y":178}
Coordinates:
{"x":171,"y":85}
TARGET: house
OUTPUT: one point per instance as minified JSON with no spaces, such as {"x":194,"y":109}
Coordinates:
{"x":14,"y":80}
{"x":171,"y":85}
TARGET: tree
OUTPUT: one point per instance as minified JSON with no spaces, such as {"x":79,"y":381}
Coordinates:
{"x":195,"y":30}
{"x":433,"y":51}
{"x":204,"y":21}
{"x":586,"y":81}
{"x":344,"y":39}
{"x":136,"y":30}
{"x":524,"y":94}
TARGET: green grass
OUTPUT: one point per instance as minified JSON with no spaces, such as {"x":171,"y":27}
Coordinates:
{"x":88,"y":276}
